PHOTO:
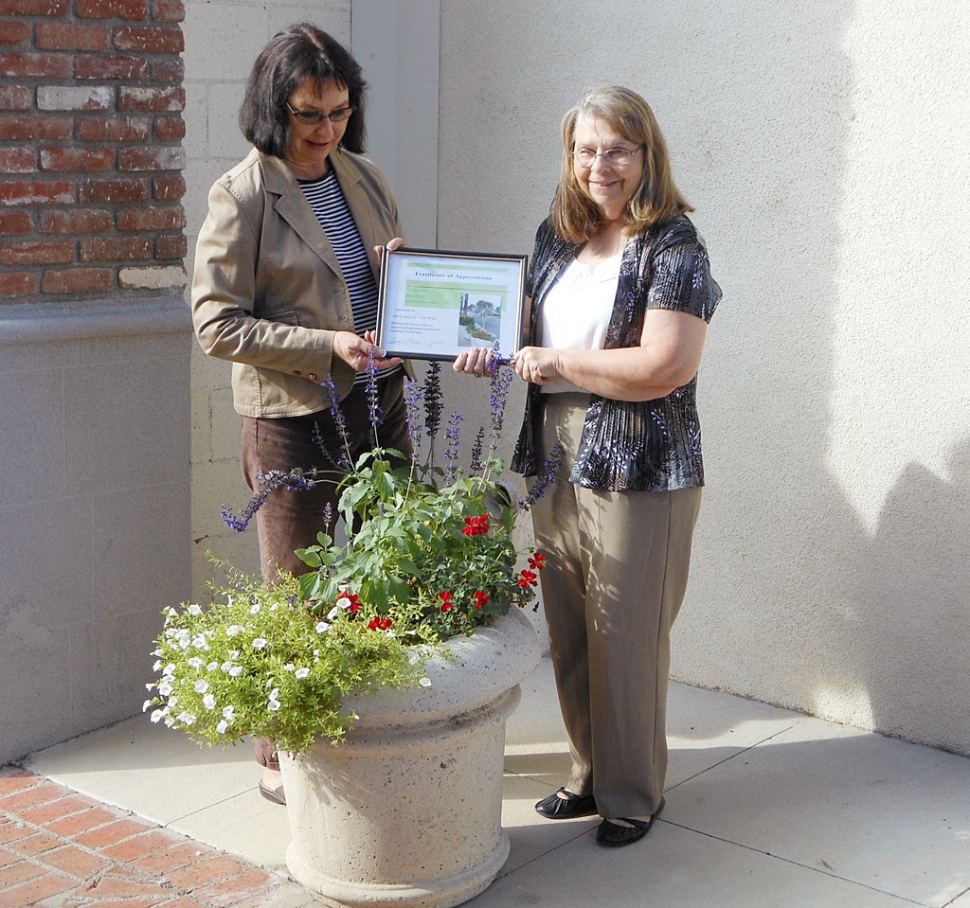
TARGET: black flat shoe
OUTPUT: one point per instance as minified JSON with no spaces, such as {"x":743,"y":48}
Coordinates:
{"x":567,"y":808}
{"x":612,"y":834}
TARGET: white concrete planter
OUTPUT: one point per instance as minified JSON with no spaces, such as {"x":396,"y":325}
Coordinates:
{"x":407,"y":810}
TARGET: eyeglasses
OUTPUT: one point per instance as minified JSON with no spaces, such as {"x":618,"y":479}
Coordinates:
{"x":615,"y":157}
{"x":312,"y":117}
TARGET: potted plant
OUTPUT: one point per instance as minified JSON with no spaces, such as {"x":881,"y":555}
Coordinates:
{"x":384,"y":674}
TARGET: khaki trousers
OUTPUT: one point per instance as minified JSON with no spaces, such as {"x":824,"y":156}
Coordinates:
{"x":616,"y":574}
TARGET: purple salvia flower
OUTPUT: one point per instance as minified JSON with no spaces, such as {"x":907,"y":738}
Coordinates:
{"x":476,"y":461}
{"x":412,"y":400}
{"x":453,"y":434}
{"x":546,"y":475}
{"x":432,"y":399}
{"x":500,"y":382}
{"x":340,"y":421}
{"x":373,"y":406}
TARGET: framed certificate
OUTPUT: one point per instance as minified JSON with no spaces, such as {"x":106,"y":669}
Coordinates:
{"x":435,"y":304}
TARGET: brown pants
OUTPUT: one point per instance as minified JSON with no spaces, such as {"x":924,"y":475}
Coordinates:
{"x":291,"y":520}
{"x":615,"y":579}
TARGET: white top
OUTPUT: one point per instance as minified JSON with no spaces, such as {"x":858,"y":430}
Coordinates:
{"x":576,"y":311}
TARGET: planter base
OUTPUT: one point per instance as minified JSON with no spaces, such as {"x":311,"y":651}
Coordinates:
{"x":407,"y":811}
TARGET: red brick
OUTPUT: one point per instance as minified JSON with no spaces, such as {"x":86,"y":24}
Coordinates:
{"x":168,"y":69}
{"x":112,"y":129}
{"x":12,"y":832}
{"x":74,"y":97}
{"x":52,"y":9}
{"x":215,"y":870}
{"x":36,"y":891}
{"x":15,"y":97}
{"x":34,"y":192}
{"x":168,"y":157}
{"x":35,"y":844}
{"x":94,"y":816}
{"x":40,"y":793}
{"x":109,"y":886}
{"x":168,"y":10}
{"x":15,"y":222}
{"x":38,"y":252}
{"x":17,"y":284}
{"x":150,"y":40}
{"x":116,"y":249}
{"x":169,"y":859}
{"x":20,"y":129}
{"x":13,"y":780}
{"x":76,"y":220}
{"x":141,"y":845}
{"x":62,"y":36}
{"x":169,"y":129}
{"x":112,"y":833}
{"x":36,"y":66}
{"x":79,"y":280}
{"x":171,"y":247}
{"x":17,"y":160}
{"x":12,"y":32}
{"x":70,"y":803}
{"x":107,"y":190}
{"x":15,"y":874}
{"x":232,"y":891}
{"x":76,"y":862}
{"x":169,"y":189}
{"x":151,"y":100}
{"x":133,"y":10}
{"x":100,"y":66}
{"x":77,"y":159}
{"x":8,"y":857}
{"x":144,"y":219}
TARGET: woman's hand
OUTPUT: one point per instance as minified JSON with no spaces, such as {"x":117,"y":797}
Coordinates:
{"x":537,"y":364}
{"x":391,"y":245}
{"x":356,"y":351}
{"x":475,"y":361}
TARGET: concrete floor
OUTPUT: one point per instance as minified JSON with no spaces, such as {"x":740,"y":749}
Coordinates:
{"x":766,"y":808}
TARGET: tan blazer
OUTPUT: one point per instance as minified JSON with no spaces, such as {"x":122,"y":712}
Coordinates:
{"x":268,"y":293}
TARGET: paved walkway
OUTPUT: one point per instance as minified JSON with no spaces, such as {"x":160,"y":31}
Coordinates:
{"x":765,"y":809}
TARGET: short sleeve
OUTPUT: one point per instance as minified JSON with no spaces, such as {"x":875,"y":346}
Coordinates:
{"x":680,"y":278}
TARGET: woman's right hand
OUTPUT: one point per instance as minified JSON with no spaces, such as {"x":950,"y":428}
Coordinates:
{"x":475,"y":361}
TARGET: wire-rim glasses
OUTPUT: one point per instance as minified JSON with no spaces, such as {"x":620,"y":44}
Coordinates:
{"x":312,"y":117}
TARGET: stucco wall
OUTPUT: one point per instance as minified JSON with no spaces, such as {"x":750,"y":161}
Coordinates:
{"x":824,"y":145}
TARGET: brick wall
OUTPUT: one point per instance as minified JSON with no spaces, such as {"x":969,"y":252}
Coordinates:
{"x":91,"y":155}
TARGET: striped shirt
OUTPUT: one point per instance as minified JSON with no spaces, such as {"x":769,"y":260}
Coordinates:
{"x":330,"y":207}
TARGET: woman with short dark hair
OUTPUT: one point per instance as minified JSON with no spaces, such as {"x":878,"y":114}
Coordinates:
{"x":285,"y":287}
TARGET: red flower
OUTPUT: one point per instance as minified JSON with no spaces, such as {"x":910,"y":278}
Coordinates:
{"x":349,"y":601}
{"x":476,"y":526}
{"x":537,"y":562}
{"x":379,"y":624}
{"x":527,"y":579}
{"x":481,"y":599}
{"x":446,"y":604}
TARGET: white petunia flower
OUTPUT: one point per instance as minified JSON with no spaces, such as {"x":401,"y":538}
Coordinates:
{"x":235,"y":671}
{"x":234,"y":629}
{"x":145,"y":705}
{"x":194,"y":609}
{"x":209,"y":701}
{"x":275,"y":705}
{"x":201,"y":686}
{"x":254,"y":608}
{"x":195,"y":662}
{"x":158,"y":715}
{"x":425,"y":682}
{"x":302,"y":673}
{"x":322,"y":627}
{"x":289,"y":667}
{"x":199,"y":641}
{"x":157,"y":667}
{"x":186,"y":718}
{"x":259,"y":642}
{"x":333,"y":613}
{"x":165,"y":688}
{"x":229,"y":712}
{"x":221,"y":727}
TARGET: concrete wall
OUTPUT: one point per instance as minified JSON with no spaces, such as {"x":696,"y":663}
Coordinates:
{"x":94,"y":510}
{"x":824,"y":146}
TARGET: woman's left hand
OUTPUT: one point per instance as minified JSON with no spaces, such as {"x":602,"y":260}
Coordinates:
{"x":537,"y":364}
{"x":390,"y":246}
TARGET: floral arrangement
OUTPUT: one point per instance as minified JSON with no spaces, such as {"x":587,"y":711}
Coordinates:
{"x":429,"y":554}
